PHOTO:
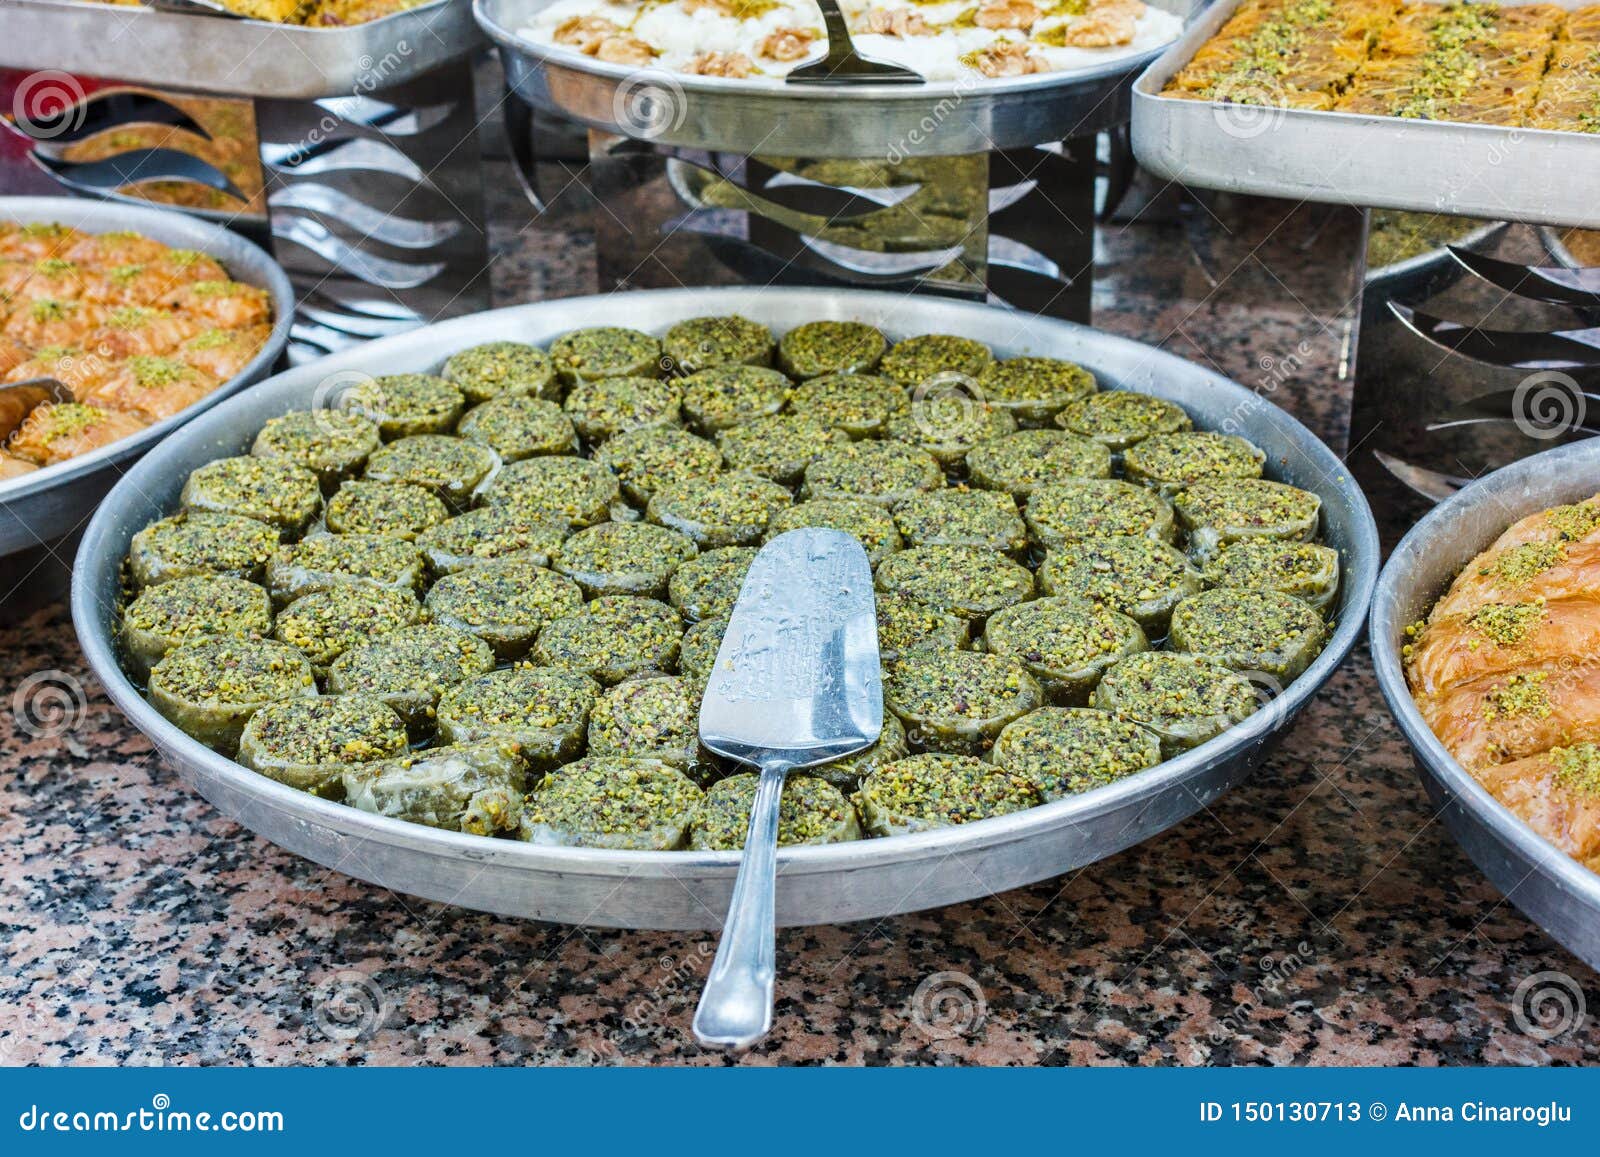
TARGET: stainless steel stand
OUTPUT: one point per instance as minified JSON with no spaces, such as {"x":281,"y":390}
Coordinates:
{"x":373,"y":201}
{"x":1013,"y":226}
{"x":1458,"y":375}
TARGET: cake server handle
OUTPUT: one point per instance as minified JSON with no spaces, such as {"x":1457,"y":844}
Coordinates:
{"x":736,"y":1007}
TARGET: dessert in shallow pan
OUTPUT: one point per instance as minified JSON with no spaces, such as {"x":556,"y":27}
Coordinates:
{"x":488,"y":598}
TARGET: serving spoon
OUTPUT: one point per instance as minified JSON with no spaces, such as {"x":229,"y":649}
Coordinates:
{"x":796,"y":684}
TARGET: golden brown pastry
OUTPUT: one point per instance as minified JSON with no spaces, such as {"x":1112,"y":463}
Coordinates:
{"x":1557,"y":794}
{"x":152,"y":387}
{"x":1499,"y":718}
{"x":1550,"y":569}
{"x":1498,"y":638}
{"x":14,"y":467}
{"x":55,"y":432}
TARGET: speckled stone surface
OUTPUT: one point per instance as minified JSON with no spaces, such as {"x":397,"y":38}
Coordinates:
{"x":1319,"y":915}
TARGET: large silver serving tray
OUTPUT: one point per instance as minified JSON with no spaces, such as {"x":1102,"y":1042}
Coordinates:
{"x":229,"y":57}
{"x":1489,"y":171}
{"x":55,"y":500}
{"x":1554,"y":890}
{"x":816,"y":885}
{"x":941,"y":118}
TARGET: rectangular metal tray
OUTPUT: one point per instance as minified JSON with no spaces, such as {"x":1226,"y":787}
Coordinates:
{"x":223,"y":57}
{"x":1489,"y":171}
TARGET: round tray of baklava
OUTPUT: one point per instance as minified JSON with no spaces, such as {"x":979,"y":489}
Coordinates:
{"x":1479,"y":630}
{"x":538,"y":759}
{"x":862,"y":119}
{"x":147,"y":316}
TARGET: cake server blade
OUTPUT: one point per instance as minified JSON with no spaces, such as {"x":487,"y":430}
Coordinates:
{"x":796,"y":684}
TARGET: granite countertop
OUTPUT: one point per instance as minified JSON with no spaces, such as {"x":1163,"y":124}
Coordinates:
{"x":1321,"y":914}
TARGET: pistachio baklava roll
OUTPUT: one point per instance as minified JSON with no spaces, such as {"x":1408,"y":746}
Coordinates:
{"x":704,"y":343}
{"x":542,"y":712}
{"x":1263,"y":632}
{"x":1065,"y":751}
{"x":195,"y":543}
{"x":613,"y":802}
{"x":505,"y":602}
{"x":410,"y":668}
{"x":502,"y":369}
{"x":1184,"y":699}
{"x":810,"y":811}
{"x":475,"y":788}
{"x":1067,"y":644}
{"x":404,"y":405}
{"x":924,"y":792}
{"x":188,"y":610}
{"x":830,"y":347}
{"x":605,"y":351}
{"x":958,"y":701}
{"x":210,"y":690}
{"x":308,"y":743}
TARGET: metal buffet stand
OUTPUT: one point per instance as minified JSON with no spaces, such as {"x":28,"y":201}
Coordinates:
{"x":974,"y":189}
{"x":1475,"y":343}
{"x":367,"y":183}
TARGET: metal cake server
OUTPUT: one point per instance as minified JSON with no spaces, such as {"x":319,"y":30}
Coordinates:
{"x":18,"y":399}
{"x":843,"y":64}
{"x":796,"y":684}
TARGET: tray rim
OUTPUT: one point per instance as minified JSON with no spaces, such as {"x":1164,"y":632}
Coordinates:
{"x":307,"y":29}
{"x":318,"y":77}
{"x":1151,"y":112}
{"x":508,"y":37}
{"x":1549,"y":478}
{"x":967,"y":116}
{"x":99,"y":216}
{"x":101,"y":543}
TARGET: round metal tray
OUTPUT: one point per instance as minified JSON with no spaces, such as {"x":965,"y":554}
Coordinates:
{"x":940,"y":118}
{"x":1554,"y":890}
{"x":1555,"y":243}
{"x":54,"y":501}
{"x":1424,"y":274}
{"x":816,"y":885}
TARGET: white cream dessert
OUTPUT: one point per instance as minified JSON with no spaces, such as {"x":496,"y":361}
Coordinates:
{"x":941,"y":39}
